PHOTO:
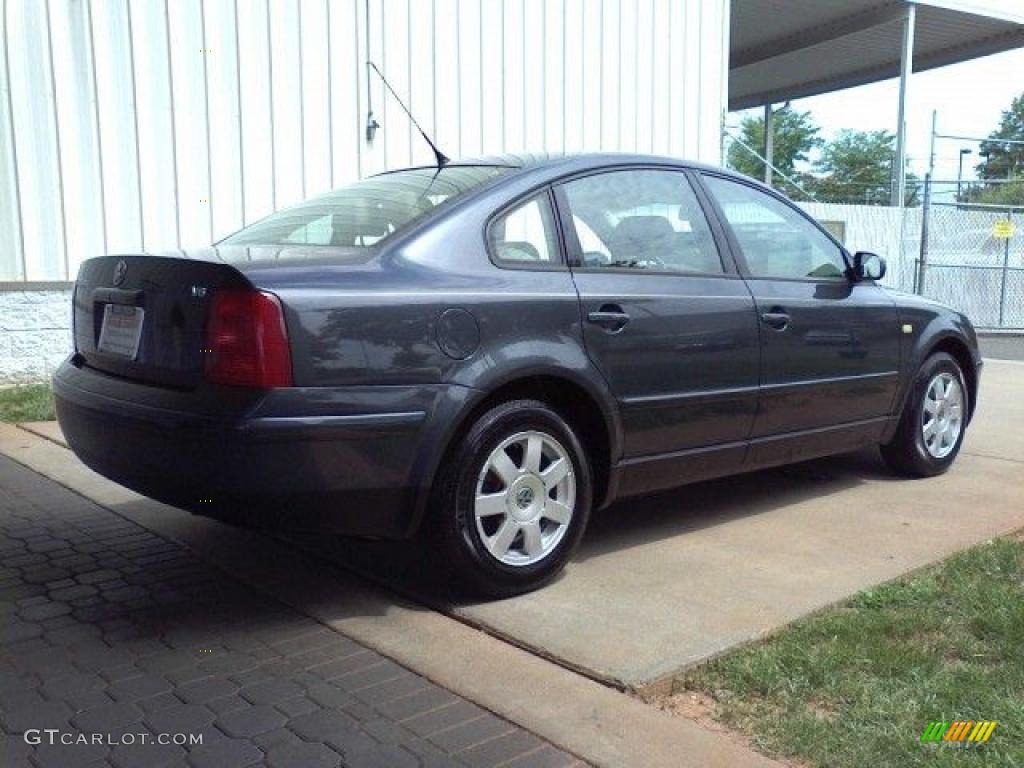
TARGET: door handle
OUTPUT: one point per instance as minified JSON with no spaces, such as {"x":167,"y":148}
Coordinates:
{"x":776,"y":318}
{"x":610,"y":317}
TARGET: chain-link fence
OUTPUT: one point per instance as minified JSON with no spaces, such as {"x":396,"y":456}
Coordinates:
{"x":972,"y":259}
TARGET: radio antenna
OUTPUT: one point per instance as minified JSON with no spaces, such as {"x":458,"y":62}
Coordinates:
{"x":441,"y":157}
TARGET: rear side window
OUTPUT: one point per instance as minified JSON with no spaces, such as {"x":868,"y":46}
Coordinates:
{"x":641,"y":219}
{"x":367,"y":212}
{"x":777,"y":242}
{"x":525,"y":235}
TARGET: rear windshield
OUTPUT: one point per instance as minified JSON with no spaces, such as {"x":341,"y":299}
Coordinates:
{"x":367,"y":212}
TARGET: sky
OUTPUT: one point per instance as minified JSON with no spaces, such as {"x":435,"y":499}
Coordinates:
{"x":969,"y":98}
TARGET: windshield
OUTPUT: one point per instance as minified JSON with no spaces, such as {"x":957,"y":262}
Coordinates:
{"x":367,"y":212}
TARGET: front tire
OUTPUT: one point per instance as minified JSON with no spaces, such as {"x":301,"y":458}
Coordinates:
{"x":934,"y":420}
{"x":513,"y":499}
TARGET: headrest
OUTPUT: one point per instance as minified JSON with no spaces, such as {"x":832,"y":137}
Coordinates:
{"x":643,"y":228}
{"x":689,"y":213}
{"x":517,"y":250}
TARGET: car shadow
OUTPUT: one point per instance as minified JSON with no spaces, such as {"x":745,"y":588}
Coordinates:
{"x":654,"y":517}
{"x":253,"y":563}
{"x":408,"y":567}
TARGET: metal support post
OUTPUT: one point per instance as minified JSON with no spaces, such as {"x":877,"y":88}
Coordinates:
{"x":899,"y":180}
{"x":1006,"y":271}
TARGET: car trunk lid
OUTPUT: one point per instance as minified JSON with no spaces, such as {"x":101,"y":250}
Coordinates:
{"x":144,"y":317}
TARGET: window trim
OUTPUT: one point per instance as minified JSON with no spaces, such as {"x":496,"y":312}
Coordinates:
{"x":559,"y":262}
{"x":574,"y":250}
{"x":733,"y":241}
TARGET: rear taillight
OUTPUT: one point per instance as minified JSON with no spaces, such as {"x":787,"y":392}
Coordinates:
{"x":247,"y":341}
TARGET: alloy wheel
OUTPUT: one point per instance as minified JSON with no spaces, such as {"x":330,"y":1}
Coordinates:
{"x":942,"y":416}
{"x":525,"y":498}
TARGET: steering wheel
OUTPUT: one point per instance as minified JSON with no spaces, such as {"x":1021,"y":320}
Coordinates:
{"x":596,"y":259}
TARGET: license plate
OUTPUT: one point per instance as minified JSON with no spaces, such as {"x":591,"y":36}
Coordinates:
{"x":121,"y":330}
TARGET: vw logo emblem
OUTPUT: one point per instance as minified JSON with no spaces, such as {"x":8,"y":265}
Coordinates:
{"x":120,"y":271}
{"x":524,"y":498}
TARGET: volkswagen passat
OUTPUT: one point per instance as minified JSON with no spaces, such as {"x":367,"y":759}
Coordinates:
{"x":486,"y":351}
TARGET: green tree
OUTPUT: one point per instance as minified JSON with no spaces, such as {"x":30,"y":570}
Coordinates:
{"x":996,"y":194}
{"x":856,"y":167}
{"x":794,"y":135}
{"x":1003,"y":161}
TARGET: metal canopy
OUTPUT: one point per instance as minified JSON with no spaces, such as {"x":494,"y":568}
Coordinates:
{"x":789,"y":49}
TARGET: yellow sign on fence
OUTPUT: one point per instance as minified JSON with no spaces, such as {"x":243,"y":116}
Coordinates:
{"x":1003,"y":229}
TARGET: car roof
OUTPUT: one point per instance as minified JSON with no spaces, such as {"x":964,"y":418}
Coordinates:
{"x":569,"y":162}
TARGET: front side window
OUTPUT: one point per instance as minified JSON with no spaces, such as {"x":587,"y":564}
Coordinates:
{"x":641,"y":219}
{"x":777,"y":242}
{"x":525,"y":235}
{"x":367,"y":212}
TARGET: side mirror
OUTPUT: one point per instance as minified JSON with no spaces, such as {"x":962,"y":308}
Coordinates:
{"x":868,"y":266}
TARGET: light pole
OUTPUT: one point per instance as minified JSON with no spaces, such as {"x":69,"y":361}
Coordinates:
{"x":960,"y":172}
{"x":769,"y":139}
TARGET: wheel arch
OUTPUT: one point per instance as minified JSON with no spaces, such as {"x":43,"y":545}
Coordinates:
{"x":583,"y":404}
{"x":939,"y":336}
{"x":956,"y":348}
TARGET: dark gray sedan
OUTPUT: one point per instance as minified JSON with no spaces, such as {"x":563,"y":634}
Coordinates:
{"x":484,"y":352}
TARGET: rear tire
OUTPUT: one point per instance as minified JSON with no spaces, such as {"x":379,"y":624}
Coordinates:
{"x":933,"y":422}
{"x":512,"y":500}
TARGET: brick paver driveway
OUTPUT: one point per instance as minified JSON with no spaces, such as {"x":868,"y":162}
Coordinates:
{"x":108,"y":629}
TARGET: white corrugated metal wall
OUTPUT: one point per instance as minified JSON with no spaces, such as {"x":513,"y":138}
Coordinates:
{"x":128,"y":124}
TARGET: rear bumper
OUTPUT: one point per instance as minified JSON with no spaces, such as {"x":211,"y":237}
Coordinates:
{"x":343,"y":460}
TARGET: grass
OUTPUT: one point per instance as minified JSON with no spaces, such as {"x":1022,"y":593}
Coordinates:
{"x":857,"y":684}
{"x":31,"y":402}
